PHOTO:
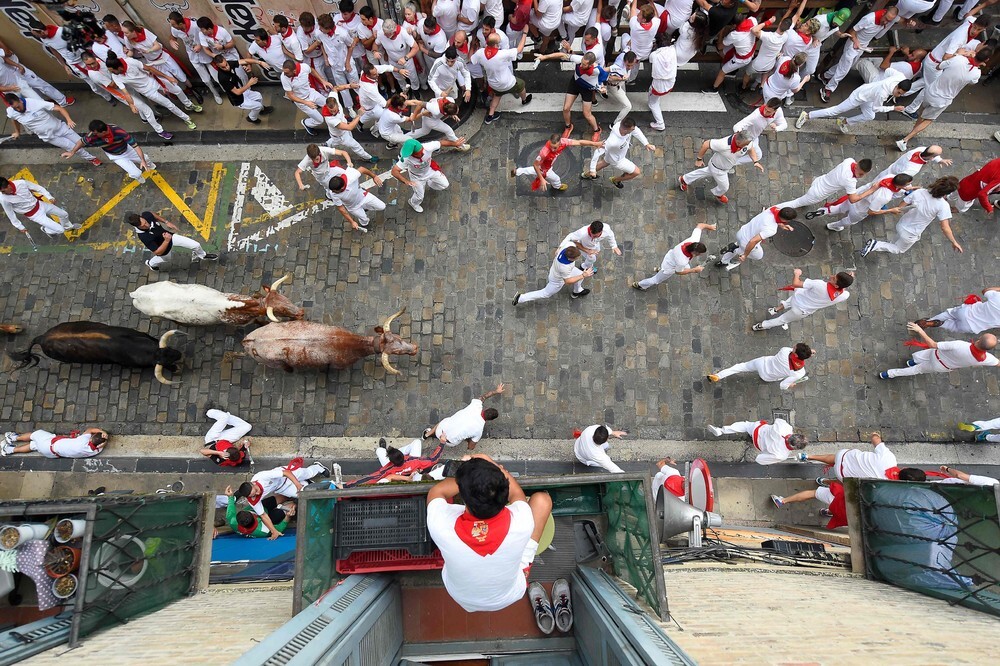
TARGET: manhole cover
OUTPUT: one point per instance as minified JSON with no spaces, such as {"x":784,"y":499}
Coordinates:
{"x":795,"y":243}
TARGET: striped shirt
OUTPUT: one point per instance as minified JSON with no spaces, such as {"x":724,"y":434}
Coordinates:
{"x":115,"y":141}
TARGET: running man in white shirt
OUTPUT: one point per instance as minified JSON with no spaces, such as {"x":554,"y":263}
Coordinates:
{"x":678,"y":260}
{"x":868,"y":98}
{"x":615,"y":153}
{"x":498,"y":64}
{"x":786,"y":80}
{"x":925,"y":206}
{"x":319,"y":163}
{"x":84,"y":444}
{"x":298,"y":89}
{"x":873,"y":203}
{"x":663,"y":62}
{"x":266,"y":489}
{"x":353,"y":201}
{"x":974,"y":316}
{"x":859,"y":37}
{"x":40,"y":118}
{"x":766,"y":118}
{"x":416,"y":168}
{"x":726,"y":154}
{"x":467,"y":424}
{"x":26,"y":78}
{"x":912,"y":161}
{"x":341,"y":130}
{"x":808,"y":296}
{"x":184,"y":31}
{"x":591,"y":447}
{"x":842,"y":178}
{"x":945,"y":356}
{"x":432,"y":116}
{"x":958,"y":70}
{"x":588,"y":240}
{"x":751,"y":236}
{"x":489,"y":540}
{"x":269,"y":48}
{"x":776,"y":441}
{"x":138,"y":78}
{"x":788,"y":366}
{"x":970,"y":34}
{"x":562,"y":272}
{"x":22,"y":197}
{"x":857,"y":464}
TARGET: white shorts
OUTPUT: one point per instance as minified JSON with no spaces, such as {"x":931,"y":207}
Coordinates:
{"x":41,"y":442}
{"x":625,"y":165}
{"x":824,"y":495}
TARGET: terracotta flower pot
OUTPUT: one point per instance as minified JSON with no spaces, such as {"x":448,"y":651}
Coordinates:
{"x":68,"y":561}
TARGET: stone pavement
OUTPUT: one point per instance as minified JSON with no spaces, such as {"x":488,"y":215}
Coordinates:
{"x":636,"y":360}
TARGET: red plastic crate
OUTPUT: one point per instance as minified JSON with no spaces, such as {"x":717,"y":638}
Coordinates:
{"x":367,"y":561}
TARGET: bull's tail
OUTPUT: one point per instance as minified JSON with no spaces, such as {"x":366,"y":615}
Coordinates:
{"x":25,"y":359}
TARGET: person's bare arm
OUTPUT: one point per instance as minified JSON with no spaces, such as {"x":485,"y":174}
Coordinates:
{"x":702,"y":151}
{"x":489,"y":394}
{"x":946,"y":228}
{"x":208,"y":452}
{"x":291,"y":477}
{"x":15,"y":130}
{"x":445,"y":490}
{"x":754,"y":242}
{"x":266,"y":519}
{"x":576,"y":278}
{"x":919,"y":332}
{"x":955,"y":473}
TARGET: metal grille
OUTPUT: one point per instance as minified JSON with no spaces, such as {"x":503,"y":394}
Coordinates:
{"x":342,"y":604}
{"x":942,"y":540}
{"x":298,"y":642}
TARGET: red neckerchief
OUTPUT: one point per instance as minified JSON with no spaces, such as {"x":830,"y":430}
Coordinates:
{"x":585,"y":72}
{"x":247,"y":531}
{"x":464,"y":48}
{"x":50,"y":31}
{"x":413,"y":22}
{"x":763,"y":114}
{"x":490,"y":51}
{"x":732,"y":145}
{"x":332,"y":31}
{"x":435,"y":31}
{"x":806,"y":39}
{"x":832,"y":291}
{"x":786,"y":69}
{"x":790,"y":448}
{"x":298,"y":68}
{"x":307,"y":33}
{"x":396,"y":34}
{"x":917,"y":159}
{"x":887,"y":183}
{"x":645,"y":26}
{"x":140,"y":33}
{"x":972,"y":63}
{"x":854,"y":169}
{"x":794,"y":362}
{"x":969,"y":33}
{"x":268,"y":45}
{"x":915,"y":66}
{"x":977,"y":353}
{"x":288,"y":34}
{"x":441,"y":102}
{"x":260,"y":491}
{"x":124,"y":65}
{"x":215,"y":31}
{"x":364,"y":77}
{"x":776,"y":212}
{"x":746,"y":25}
{"x":686,"y":250}
{"x":483,"y":536}
{"x":325,"y":112}
{"x":878,"y":16}
{"x":187,"y":25}
{"x":590,"y":48}
{"x":482,"y":415}
{"x":343,"y":179}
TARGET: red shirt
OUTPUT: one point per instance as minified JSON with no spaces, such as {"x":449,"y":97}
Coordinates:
{"x":981,"y":184}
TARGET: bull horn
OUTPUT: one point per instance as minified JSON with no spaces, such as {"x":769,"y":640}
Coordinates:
{"x":270,"y":314}
{"x":158,"y":371}
{"x":277,"y":283}
{"x":388,"y":321}
{"x":165,"y":338}
{"x":387,"y":365}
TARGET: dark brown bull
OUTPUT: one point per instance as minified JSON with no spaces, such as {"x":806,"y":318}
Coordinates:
{"x":93,"y":342}
{"x":301,"y":345}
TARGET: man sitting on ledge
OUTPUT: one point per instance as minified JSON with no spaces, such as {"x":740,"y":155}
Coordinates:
{"x":488,"y":545}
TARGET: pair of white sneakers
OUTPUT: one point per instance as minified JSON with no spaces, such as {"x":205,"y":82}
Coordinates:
{"x":8,"y":444}
{"x":549,"y":616}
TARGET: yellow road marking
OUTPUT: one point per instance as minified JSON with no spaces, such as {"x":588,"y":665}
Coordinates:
{"x":25,"y":174}
{"x":103,"y":210}
{"x":202,"y":226}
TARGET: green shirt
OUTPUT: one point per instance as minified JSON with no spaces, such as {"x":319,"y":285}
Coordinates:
{"x":260,"y":531}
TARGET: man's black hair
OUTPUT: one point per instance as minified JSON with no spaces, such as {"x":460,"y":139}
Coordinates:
{"x":244,"y":490}
{"x":395,"y":456}
{"x":483,"y":488}
{"x":912,"y":474}
{"x":246,"y":520}
{"x":601,"y":435}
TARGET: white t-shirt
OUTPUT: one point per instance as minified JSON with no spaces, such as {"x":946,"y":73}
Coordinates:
{"x":778,"y":85}
{"x":135,"y":77}
{"x":37,"y":117}
{"x":756,"y":122}
{"x":817,"y":294}
{"x":307,"y":39}
{"x":909,"y":162}
{"x":59,"y":44}
{"x":66,"y":447}
{"x":778,"y":368}
{"x":420,"y":167}
{"x":271,"y":53}
{"x":395,"y":47}
{"x":684,"y":47}
{"x":841,"y":178}
{"x":956,"y":74}
{"x":446,"y":13}
{"x":982,"y":316}
{"x":663,"y":62}
{"x":351,"y":28}
{"x":146,"y":48}
{"x":365,"y":32}
{"x":489,"y":577}
{"x":298,"y":82}
{"x":467,"y":423}
{"x":291,"y":42}
{"x":853,"y":463}
{"x":322,"y":171}
{"x":742,"y":41}
{"x":763,"y":224}
{"x":559,"y":271}
{"x":617,"y":144}
{"x":469,"y":10}
{"x":957,"y":39}
{"x":923,"y":210}
{"x":583,"y":237}
{"x":548,"y":15}
{"x":643,"y":37}
{"x":866,"y":28}
{"x":769,"y":439}
{"x":724,"y":157}
{"x":353,"y":194}
{"x":270,"y":481}
{"x":675,"y":260}
{"x":190,"y":39}
{"x":592,"y":454}
{"x":954,"y":354}
{"x":436,"y":42}
{"x":217,"y":41}
{"x":770,"y":46}
{"x":499,"y":69}
{"x":368,"y":93}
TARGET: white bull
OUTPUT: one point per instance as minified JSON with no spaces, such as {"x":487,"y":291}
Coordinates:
{"x":198,"y":305}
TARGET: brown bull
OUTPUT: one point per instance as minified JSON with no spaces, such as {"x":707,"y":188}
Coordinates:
{"x":301,"y":345}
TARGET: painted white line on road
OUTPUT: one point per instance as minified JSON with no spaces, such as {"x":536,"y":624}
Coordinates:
{"x":674,"y":102}
{"x":268,"y":195}
{"x":239,"y":200}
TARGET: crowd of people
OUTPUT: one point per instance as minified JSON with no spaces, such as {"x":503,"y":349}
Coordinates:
{"x":351,"y":70}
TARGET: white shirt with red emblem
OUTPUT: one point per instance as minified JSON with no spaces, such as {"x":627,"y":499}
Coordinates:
{"x":270,"y":482}
{"x":724,"y":157}
{"x":858,"y":464}
{"x":483,"y":568}
{"x":467,"y":423}
{"x":769,"y":439}
{"x":815,"y":295}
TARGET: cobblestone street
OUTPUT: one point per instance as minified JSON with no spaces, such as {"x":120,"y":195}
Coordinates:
{"x":636,"y":360}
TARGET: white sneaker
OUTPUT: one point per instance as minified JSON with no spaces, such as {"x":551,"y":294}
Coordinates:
{"x":218,"y":100}
{"x":901,"y":145}
{"x":843,"y":126}
{"x":774,"y":311}
{"x":714,"y":430}
{"x":9,"y":437}
{"x":835,"y":226}
{"x":996,"y":135}
{"x":657,"y":127}
{"x":801,"y":120}
{"x":562,"y":605}
{"x":416,"y":207}
{"x":464,"y":148}
{"x":6,"y":449}
{"x":539,"y":600}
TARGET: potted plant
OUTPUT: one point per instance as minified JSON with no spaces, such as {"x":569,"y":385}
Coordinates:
{"x":12,"y":536}
{"x":61,"y":561}
{"x":64,"y":587}
{"x":68,"y":529}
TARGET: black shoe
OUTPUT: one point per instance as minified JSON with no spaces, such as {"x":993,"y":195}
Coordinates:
{"x":267,"y":110}
{"x":581,"y":294}
{"x":819,"y":212}
{"x":517,"y":298}
{"x":732,"y":247}
{"x":326,"y":471}
{"x":197,"y":96}
{"x":381,"y":442}
{"x":211,"y":257}
{"x":709,"y":89}
{"x":526,"y":100}
{"x":255,"y":121}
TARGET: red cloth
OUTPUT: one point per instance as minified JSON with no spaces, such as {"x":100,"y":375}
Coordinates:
{"x":483,"y":536}
{"x":548,"y":156}
{"x":972,"y":299}
{"x":795,"y":363}
{"x":838,"y":507}
{"x":980,"y":184}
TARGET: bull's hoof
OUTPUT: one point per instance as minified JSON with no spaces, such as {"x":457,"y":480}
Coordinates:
{"x":11,"y":329}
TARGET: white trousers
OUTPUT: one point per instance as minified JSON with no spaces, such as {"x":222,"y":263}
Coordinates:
{"x":720,"y":177}
{"x":368,"y":202}
{"x":851,"y":217}
{"x":926,"y":363}
{"x":145,"y":112}
{"x":992,"y":424}
{"x":746,"y":159}
{"x":552,"y":178}
{"x":303,"y":474}
{"x":787,"y":316}
{"x":552,"y":288}
{"x":342,"y":77}
{"x":130,"y":163}
{"x":97,"y":90}
{"x":866,"y":110}
{"x":740,"y":428}
{"x":40,"y":85}
{"x":372,"y":116}
{"x":428,"y":124}
{"x":313,"y":117}
{"x":953,"y":321}
{"x":657,"y":91}
{"x":347,"y":141}
{"x":157,"y":97}
{"x":900,"y":244}
{"x":660,"y":277}
{"x":618,"y":93}
{"x":227,"y":426}
{"x":66,"y":139}
{"x":205,"y":73}
{"x":43,"y":218}
{"x":748,"y":366}
{"x":166,"y":64}
{"x":253,"y":103}
{"x":848,"y":57}
{"x":179,"y":241}
{"x":436,"y":181}
{"x":816,"y":193}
